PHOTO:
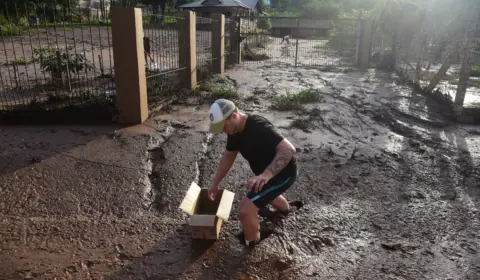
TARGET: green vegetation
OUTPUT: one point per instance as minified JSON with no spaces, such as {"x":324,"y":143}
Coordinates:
{"x":223,"y":91}
{"x":264,"y":23}
{"x":293,"y":101}
{"x":20,"y":61}
{"x":60,"y":62}
{"x":475,"y":71}
{"x":217,"y":87}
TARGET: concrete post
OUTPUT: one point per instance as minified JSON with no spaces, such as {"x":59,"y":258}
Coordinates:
{"x":218,"y":44}
{"x":364,"y":43}
{"x":188,"y":48}
{"x":130,"y":80}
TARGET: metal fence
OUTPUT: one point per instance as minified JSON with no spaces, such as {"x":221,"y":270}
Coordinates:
{"x":204,"y":47}
{"x":430,"y":55}
{"x":232,"y":26}
{"x":53,"y":57}
{"x":299,"y":41}
{"x":165,"y":51}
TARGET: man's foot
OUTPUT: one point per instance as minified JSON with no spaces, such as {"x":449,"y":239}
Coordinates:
{"x":265,"y":232}
{"x":266,"y":213}
{"x":295,"y":205}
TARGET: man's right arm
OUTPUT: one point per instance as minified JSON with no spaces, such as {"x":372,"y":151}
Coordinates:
{"x":224,"y":166}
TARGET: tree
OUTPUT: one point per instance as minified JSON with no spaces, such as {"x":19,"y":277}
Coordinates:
{"x":320,"y":9}
{"x":264,"y":23}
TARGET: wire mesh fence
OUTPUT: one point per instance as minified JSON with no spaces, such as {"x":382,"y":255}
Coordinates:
{"x":204,"y":47}
{"x":165,"y":53}
{"x":430,"y":55}
{"x":299,"y":41}
{"x":52,"y":56}
{"x":232,"y":37}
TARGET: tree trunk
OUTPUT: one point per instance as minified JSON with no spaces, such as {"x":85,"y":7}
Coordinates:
{"x":442,"y":71}
{"x":465,"y":71}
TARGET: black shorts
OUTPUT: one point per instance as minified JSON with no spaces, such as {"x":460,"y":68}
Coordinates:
{"x":275,"y":187}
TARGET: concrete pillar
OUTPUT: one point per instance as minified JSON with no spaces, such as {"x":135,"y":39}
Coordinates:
{"x":364,"y":43}
{"x":218,"y":44}
{"x":188,"y":48}
{"x":130,"y":80}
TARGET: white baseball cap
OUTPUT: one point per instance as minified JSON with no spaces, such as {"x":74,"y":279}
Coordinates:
{"x":219,"y":112}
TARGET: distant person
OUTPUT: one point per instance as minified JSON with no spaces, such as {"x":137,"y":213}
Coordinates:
{"x":147,"y":48}
{"x":286,"y":38}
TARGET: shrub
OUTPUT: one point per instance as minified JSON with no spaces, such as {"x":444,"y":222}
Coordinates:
{"x":58,"y":62}
{"x":264,"y":23}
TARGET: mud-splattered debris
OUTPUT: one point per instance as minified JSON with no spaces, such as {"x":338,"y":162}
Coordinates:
{"x":327,"y":241}
{"x":180,"y":125}
{"x":119,"y":248}
{"x":352,"y":179}
{"x":206,"y":265}
{"x":377,"y":226}
{"x":328,"y":229}
{"x":450,"y":195}
{"x":392,"y":247}
{"x":469,"y":248}
{"x":429,"y":252}
{"x":249,"y":278}
{"x":124,"y":257}
{"x":283,"y":264}
{"x":416,"y":194}
{"x":35,"y":160}
{"x":71,"y":269}
{"x":27,"y":274}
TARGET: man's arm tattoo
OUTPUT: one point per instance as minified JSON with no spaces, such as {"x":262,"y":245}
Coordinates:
{"x":282,"y":158}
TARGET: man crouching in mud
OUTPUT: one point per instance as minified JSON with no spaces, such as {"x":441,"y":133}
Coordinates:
{"x":270,"y":156}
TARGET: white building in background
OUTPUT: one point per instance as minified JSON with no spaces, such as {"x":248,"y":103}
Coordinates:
{"x":96,"y":9}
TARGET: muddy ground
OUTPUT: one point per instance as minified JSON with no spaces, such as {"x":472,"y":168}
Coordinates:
{"x":390,"y":185}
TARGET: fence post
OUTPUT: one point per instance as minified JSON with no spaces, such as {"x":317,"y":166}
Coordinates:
{"x":218,"y":43}
{"x":188,"y":48}
{"x":364,"y":43}
{"x":130,"y":80}
{"x":296,"y":42}
{"x":235,"y":40}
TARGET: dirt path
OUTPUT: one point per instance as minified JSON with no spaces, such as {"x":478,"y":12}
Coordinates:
{"x":390,"y":189}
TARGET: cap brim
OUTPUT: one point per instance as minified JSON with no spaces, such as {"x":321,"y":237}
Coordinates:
{"x":217,"y":127}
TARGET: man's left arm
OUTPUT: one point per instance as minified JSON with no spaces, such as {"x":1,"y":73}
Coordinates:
{"x":284,"y":153}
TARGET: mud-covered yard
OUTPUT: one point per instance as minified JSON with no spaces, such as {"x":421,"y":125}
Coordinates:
{"x":390,"y":185}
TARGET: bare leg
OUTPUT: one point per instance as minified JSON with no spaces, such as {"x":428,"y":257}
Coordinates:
{"x":249,"y":219}
{"x":280,"y":203}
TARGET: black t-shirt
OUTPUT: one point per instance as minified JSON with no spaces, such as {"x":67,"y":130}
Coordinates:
{"x":257,"y":143}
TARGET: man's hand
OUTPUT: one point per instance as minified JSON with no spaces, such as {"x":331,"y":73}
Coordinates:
{"x":212,"y":192}
{"x":257,"y":182}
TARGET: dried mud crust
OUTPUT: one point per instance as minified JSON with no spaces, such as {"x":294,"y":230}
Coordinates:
{"x":390,"y":188}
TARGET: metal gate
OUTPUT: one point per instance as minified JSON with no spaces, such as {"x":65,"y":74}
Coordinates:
{"x":299,"y":41}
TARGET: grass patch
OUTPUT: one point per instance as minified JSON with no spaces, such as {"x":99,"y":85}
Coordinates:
{"x":12,"y":30}
{"x":20,"y":61}
{"x":475,"y":71}
{"x":217,"y":86}
{"x":292,"y":101}
{"x":223,"y":91}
